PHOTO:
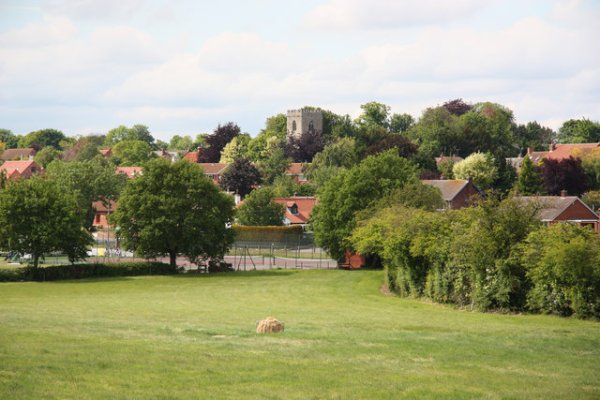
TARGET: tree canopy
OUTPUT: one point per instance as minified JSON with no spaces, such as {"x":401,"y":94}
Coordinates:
{"x":259,"y":209}
{"x":172,"y":209}
{"x":579,"y":131}
{"x":354,"y":190}
{"x":43,"y":138}
{"x":37,"y":217}
{"x":240,"y":177}
{"x":215,"y":142}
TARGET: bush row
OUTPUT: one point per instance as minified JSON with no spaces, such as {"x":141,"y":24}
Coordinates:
{"x":266,"y":233}
{"x":490,"y":257}
{"x":82,"y":271}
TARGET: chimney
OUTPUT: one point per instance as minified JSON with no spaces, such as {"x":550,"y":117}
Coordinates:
{"x":529,"y":150}
{"x":552,"y":147}
{"x":563,"y":193}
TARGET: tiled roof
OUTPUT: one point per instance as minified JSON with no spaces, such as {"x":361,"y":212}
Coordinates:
{"x":17,"y":154}
{"x":16,"y":168}
{"x":193,"y":156}
{"x":553,"y":206}
{"x":106,"y":152}
{"x":295,"y":169}
{"x":213,"y":168}
{"x":562,"y":151}
{"x":131,"y":172}
{"x":450,"y":188}
{"x":305,"y":206}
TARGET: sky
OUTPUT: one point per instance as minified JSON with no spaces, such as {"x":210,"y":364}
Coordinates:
{"x":183,"y":67}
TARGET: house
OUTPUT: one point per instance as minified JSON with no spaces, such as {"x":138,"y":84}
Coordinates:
{"x":102,"y":211}
{"x":294,"y":171}
{"x":20,"y":169}
{"x":17,"y":154}
{"x":298,"y":209}
{"x":555,"y":152}
{"x":457,"y":193}
{"x":563,"y":208}
{"x":214,"y":170}
{"x":167,"y":155}
{"x":106,"y":153}
{"x":131,"y":172}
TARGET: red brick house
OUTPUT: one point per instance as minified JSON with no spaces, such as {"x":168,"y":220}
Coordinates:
{"x":569,"y":209}
{"x":295,"y":172}
{"x":17,"y":154}
{"x":131,"y":172}
{"x":20,"y":169}
{"x":298,"y":209}
{"x":102,"y":212}
{"x":457,"y":193}
{"x":214,"y":170}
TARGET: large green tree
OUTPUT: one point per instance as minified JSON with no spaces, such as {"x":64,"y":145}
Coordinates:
{"x":9,"y":139}
{"x":132,"y":152}
{"x":37,"y":217}
{"x":43,"y":138}
{"x":259,"y":209}
{"x":173,"y":209}
{"x":354,"y":190}
{"x":480,"y":167}
{"x":136,"y":132}
{"x":530,"y":181}
{"x":579,"y":131}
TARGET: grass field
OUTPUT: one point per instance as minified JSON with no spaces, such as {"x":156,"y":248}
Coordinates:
{"x":193,"y":337}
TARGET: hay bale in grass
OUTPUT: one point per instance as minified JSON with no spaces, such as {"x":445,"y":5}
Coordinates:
{"x":269,"y":325}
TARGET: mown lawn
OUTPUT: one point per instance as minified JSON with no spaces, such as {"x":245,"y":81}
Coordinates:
{"x":193,"y":337}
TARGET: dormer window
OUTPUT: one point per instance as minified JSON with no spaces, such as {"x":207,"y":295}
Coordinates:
{"x":293,"y":209}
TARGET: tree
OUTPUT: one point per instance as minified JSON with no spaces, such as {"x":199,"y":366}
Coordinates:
{"x":43,"y":138}
{"x":259,"y":209}
{"x":566,"y":174}
{"x":240,"y":177}
{"x":87,"y":181}
{"x":304,"y":147}
{"x":273,"y":165}
{"x":592,"y":199}
{"x":534,"y":136}
{"x":181,"y":143}
{"x":46,"y":155}
{"x":400,"y":123}
{"x":401,"y":144}
{"x":172,"y":209}
{"x":222,"y":135}
{"x":529,"y":182}
{"x":374,"y":114}
{"x":132,"y":152}
{"x":122,"y":133}
{"x":237,"y":148}
{"x":479,"y":167}
{"x":457,"y":107}
{"x":579,"y":131}
{"x":37,"y":218}
{"x":8,"y":138}
{"x":286,"y":186}
{"x":85,"y":148}
{"x":354,"y":190}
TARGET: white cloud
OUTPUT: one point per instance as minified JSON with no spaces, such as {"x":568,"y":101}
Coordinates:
{"x":365,"y":14}
{"x":93,"y":9}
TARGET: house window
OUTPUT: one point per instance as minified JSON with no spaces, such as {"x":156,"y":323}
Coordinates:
{"x":293,"y":126}
{"x":311,"y":126}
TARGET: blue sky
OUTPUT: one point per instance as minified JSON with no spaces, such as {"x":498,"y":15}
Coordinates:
{"x":182,"y":67}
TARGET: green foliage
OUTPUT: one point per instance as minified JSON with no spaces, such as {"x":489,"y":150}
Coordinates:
{"x":132,"y":152}
{"x":173,"y":208}
{"x":37,"y":217}
{"x":480,"y":167}
{"x":43,"y":138}
{"x":181,"y":143}
{"x":46,"y":155}
{"x":466,"y":257}
{"x":9,"y":139}
{"x":530,"y":181}
{"x":445,"y":169}
{"x":579,"y":131}
{"x":592,"y":199}
{"x":400,"y":123}
{"x":86,"y":271}
{"x":563,"y":264}
{"x":285,"y":186}
{"x":533,"y":135}
{"x":87,"y":181}
{"x":259,"y":209}
{"x":122,"y":133}
{"x":237,"y":148}
{"x":274,"y":164}
{"x":352,"y":191}
{"x":374,"y":114}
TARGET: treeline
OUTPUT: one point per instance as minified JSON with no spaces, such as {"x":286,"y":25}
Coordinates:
{"x":495,"y":256}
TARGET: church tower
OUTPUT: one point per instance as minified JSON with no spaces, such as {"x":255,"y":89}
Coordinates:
{"x":302,"y":121}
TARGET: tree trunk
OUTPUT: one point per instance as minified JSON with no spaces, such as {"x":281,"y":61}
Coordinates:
{"x":173,"y":259}
{"x":36,"y":260}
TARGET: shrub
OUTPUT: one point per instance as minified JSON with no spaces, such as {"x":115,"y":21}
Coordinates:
{"x":83,"y":271}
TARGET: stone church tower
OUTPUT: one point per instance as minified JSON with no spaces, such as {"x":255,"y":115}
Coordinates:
{"x":302,"y":121}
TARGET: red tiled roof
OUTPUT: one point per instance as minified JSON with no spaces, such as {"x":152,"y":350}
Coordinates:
{"x":131,"y":172}
{"x":450,"y":188}
{"x":213,"y":168}
{"x":562,"y":151}
{"x":192,"y":156}
{"x":17,"y":154}
{"x":295,"y":169}
{"x":106,"y":152}
{"x":23,"y":168}
{"x":305,"y":206}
